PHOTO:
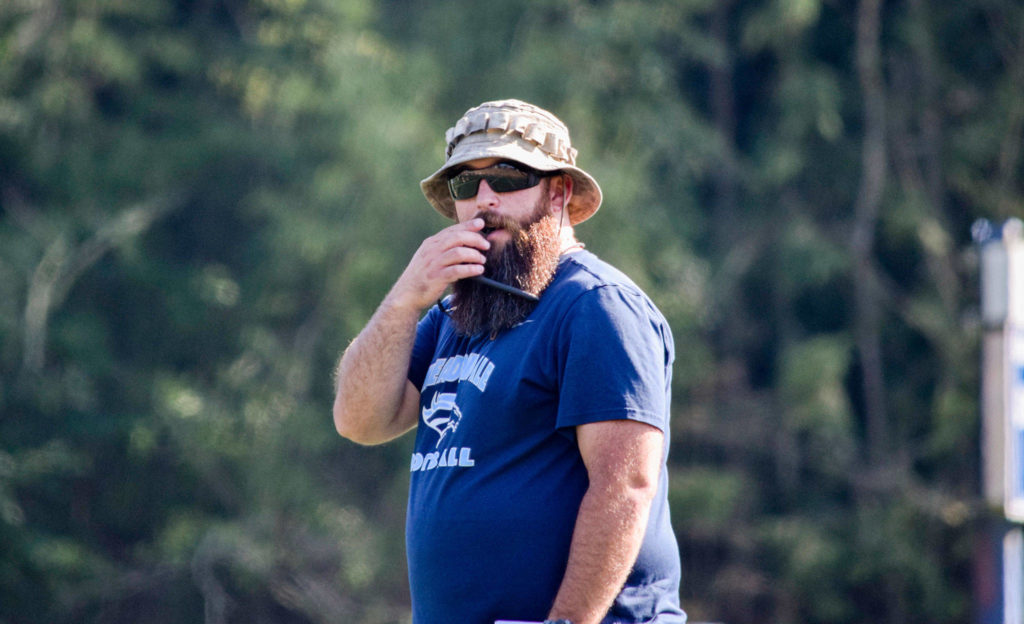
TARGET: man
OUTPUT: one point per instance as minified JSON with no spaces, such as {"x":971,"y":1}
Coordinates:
{"x":538,"y":486}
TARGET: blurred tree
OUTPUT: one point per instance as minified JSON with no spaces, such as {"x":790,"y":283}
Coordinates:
{"x":175,"y":173}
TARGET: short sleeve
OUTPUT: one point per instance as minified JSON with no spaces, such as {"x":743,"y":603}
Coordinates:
{"x":423,"y":348}
{"x":617,"y":360}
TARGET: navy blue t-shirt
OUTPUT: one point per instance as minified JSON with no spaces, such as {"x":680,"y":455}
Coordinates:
{"x":497,"y":477}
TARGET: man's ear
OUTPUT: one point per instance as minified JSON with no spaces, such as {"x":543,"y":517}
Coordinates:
{"x":560,"y":192}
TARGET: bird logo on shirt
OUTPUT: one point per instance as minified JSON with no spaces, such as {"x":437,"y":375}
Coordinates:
{"x":443,"y":415}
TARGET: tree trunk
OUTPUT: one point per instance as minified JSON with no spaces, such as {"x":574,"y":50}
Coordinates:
{"x":868,"y":202}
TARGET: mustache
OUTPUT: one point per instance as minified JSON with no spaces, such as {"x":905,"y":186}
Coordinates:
{"x":494,"y":221}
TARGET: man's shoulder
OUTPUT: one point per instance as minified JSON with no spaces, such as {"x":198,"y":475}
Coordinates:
{"x":588,"y":284}
{"x":586,"y":271}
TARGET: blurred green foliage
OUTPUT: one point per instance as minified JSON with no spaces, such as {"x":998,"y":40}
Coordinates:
{"x":201,"y":203}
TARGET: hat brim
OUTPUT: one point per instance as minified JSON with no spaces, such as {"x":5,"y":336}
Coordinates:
{"x":586,"y":194}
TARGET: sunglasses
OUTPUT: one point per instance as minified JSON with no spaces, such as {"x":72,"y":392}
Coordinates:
{"x":502,"y":178}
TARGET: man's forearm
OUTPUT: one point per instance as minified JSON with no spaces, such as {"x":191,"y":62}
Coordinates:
{"x":609,"y":530}
{"x":371,"y":376}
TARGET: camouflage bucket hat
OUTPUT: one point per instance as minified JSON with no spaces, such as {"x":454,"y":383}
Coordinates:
{"x":513,"y":130}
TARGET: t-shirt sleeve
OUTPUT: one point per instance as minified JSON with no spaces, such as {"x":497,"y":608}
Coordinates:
{"x":617,"y":360}
{"x":423,"y":348}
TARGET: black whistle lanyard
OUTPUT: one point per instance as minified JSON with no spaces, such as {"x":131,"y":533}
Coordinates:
{"x":512,"y":290}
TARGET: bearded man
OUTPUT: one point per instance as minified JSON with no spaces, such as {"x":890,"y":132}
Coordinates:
{"x":539,"y":484}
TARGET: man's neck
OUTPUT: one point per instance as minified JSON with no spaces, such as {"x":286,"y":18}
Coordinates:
{"x":569,"y":243}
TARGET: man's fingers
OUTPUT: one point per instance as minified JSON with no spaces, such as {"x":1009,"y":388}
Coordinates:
{"x":457,"y":263}
{"x":462,"y":255}
{"x":454,"y":253}
{"x":456,"y":272}
{"x":465,"y":235}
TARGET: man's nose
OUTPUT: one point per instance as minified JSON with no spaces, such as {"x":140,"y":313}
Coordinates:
{"x":485,"y":195}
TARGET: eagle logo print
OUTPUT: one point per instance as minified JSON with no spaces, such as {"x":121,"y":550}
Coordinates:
{"x":443,"y":415}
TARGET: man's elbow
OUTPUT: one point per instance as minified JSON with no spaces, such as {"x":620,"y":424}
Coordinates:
{"x":643,"y":486}
{"x":355,"y":425}
{"x":637,"y":496}
{"x":632,"y":491}
{"x":346,"y":425}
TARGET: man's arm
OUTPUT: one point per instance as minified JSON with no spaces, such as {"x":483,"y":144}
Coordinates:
{"x":623,"y":460}
{"x":374,"y":401}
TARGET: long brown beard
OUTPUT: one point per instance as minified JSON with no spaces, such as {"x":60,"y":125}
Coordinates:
{"x":527,"y":261}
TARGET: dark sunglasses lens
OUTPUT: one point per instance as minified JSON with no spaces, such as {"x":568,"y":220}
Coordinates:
{"x":463,"y":186}
{"x":505,"y":183}
{"x":505,"y":180}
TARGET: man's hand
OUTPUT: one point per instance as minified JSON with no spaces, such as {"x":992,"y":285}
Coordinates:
{"x":374,"y":401}
{"x":454,"y":253}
